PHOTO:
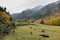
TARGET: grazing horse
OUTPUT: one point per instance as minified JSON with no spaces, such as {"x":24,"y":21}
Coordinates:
{"x":5,"y":32}
{"x":44,"y":35}
{"x":43,"y":30}
{"x":13,"y":31}
{"x":31,"y":32}
{"x":30,"y":27}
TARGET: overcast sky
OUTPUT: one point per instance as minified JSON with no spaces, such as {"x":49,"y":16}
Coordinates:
{"x":14,"y":6}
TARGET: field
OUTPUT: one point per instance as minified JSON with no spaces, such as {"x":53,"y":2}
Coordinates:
{"x":24,"y":32}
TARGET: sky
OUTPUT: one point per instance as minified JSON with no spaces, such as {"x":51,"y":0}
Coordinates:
{"x":15,"y":6}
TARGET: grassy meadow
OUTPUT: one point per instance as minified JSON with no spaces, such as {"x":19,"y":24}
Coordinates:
{"x":24,"y":32}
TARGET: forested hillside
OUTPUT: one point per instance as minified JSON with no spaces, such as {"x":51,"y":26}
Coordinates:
{"x":6,"y":22}
{"x":54,"y":18}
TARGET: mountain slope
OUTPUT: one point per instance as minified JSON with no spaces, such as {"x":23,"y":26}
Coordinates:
{"x":37,"y":13}
{"x":6,"y":22}
{"x":27,"y":13}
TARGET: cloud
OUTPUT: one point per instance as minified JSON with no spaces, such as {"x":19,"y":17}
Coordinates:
{"x":20,"y":5}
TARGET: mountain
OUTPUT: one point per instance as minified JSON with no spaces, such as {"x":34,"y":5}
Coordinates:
{"x":50,"y":14}
{"x":38,"y":12}
{"x":15,"y":15}
{"x":28,"y":13}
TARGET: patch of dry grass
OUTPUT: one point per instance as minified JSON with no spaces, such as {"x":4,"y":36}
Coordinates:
{"x":24,"y":33}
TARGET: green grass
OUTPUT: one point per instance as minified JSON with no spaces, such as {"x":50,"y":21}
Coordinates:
{"x":23,"y":33}
{"x":21,"y":23}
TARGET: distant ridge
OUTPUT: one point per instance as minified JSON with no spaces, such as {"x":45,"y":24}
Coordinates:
{"x":27,"y":13}
{"x":37,"y":12}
